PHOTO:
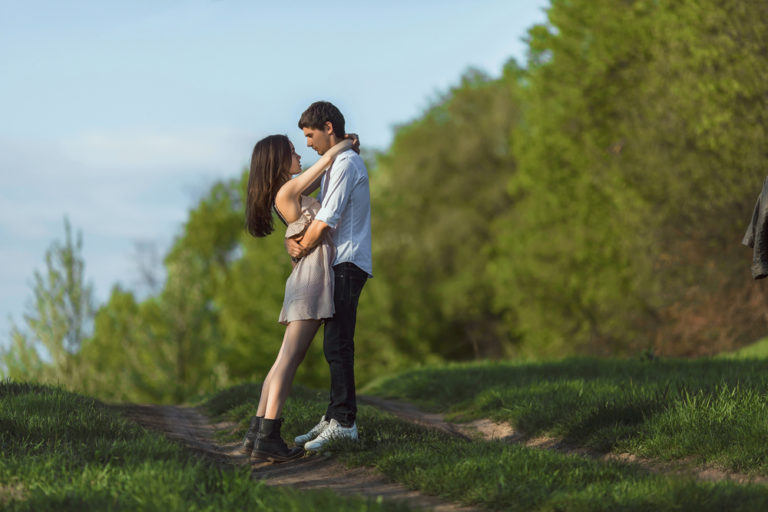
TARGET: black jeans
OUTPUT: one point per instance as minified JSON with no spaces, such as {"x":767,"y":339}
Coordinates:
{"x":339,"y":342}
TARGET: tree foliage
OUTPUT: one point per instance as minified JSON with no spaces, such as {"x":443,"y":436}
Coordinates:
{"x":435,"y":194}
{"x":643,"y":147}
{"x":48,"y":349}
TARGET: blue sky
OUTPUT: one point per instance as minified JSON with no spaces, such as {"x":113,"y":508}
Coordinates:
{"x":119,"y":115}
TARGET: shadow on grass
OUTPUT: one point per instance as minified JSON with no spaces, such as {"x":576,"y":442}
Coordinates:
{"x":609,"y":404}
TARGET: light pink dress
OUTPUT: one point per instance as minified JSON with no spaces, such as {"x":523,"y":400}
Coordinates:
{"x":309,"y":288}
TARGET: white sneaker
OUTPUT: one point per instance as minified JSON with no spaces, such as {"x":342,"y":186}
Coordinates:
{"x":316,"y":431}
{"x":333,"y":431}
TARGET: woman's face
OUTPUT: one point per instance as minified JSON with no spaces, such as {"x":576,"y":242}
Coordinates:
{"x":295,"y":161}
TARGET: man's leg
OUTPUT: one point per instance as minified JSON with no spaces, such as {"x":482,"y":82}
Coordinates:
{"x":339,"y":343}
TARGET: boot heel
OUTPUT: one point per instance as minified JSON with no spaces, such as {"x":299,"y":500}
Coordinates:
{"x":252,"y":434}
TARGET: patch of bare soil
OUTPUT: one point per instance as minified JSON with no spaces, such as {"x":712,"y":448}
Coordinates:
{"x":11,"y":491}
{"x":321,"y":472}
{"x":491,"y":430}
{"x":311,"y":472}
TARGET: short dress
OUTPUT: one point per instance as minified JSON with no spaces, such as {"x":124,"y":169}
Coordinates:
{"x":309,"y":288}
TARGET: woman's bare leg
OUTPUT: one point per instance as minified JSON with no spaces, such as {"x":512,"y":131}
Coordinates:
{"x":261,"y":409}
{"x":277,"y":385}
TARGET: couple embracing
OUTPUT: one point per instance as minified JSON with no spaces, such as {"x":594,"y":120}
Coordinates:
{"x":329,"y":241}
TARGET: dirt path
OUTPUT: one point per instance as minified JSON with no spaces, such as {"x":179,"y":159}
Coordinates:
{"x":491,"y":430}
{"x":312,"y":472}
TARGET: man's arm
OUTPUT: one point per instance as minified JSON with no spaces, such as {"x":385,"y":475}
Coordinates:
{"x":314,"y":186}
{"x":312,"y":236}
{"x":297,"y":248}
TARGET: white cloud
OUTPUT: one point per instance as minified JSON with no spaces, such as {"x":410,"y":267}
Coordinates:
{"x":116,"y":187}
{"x":140,"y":152}
{"x":119,"y":182}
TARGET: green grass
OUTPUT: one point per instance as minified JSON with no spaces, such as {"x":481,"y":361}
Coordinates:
{"x":494,"y":474}
{"x":62,"y":451}
{"x":757,"y":350}
{"x":709,"y":411}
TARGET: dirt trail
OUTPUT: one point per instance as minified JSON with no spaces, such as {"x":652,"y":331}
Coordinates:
{"x":490,"y":430}
{"x":312,"y":472}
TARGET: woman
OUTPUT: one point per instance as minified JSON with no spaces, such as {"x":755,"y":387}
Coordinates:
{"x":309,"y":289}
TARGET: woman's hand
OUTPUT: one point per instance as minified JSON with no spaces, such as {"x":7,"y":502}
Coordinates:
{"x":355,"y":141}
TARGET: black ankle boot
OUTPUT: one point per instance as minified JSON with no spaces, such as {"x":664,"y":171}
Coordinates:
{"x":252,"y":434}
{"x":269,"y":445}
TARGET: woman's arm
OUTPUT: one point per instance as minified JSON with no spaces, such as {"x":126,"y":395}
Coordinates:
{"x":293,"y":188}
{"x":355,"y":147}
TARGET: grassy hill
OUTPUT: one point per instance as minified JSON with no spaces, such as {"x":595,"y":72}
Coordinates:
{"x":757,"y":350}
{"x":63,"y":451}
{"x":707,"y":413}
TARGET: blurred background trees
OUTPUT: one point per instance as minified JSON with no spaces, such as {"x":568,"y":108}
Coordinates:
{"x":591,"y":202}
{"x":643,"y":150}
{"x":48,"y":347}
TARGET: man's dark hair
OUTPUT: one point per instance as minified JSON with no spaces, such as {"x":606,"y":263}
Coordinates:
{"x":318,"y":113}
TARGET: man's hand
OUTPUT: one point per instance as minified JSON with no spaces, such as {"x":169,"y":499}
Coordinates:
{"x":355,"y":141}
{"x":294,"y":248}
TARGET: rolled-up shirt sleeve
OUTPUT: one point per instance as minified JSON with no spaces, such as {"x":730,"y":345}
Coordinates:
{"x":341,"y":180}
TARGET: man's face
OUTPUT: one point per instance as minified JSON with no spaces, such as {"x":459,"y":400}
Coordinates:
{"x":319,"y":139}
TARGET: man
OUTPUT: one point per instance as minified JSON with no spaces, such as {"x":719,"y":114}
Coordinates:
{"x":346,"y":213}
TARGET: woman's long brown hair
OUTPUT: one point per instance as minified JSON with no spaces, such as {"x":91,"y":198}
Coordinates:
{"x":270,"y":167}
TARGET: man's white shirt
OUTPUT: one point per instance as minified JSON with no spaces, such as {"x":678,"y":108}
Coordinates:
{"x":346,"y":207}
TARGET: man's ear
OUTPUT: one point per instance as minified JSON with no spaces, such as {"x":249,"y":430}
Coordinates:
{"x":328,"y":128}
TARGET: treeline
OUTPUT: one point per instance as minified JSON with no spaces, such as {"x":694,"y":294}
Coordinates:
{"x":592,"y":201}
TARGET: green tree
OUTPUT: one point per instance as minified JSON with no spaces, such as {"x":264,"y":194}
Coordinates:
{"x":435,"y":194}
{"x":639,"y":158}
{"x":58,"y":320}
{"x":169,"y":347}
{"x":116,"y":358}
{"x":699,"y":126}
